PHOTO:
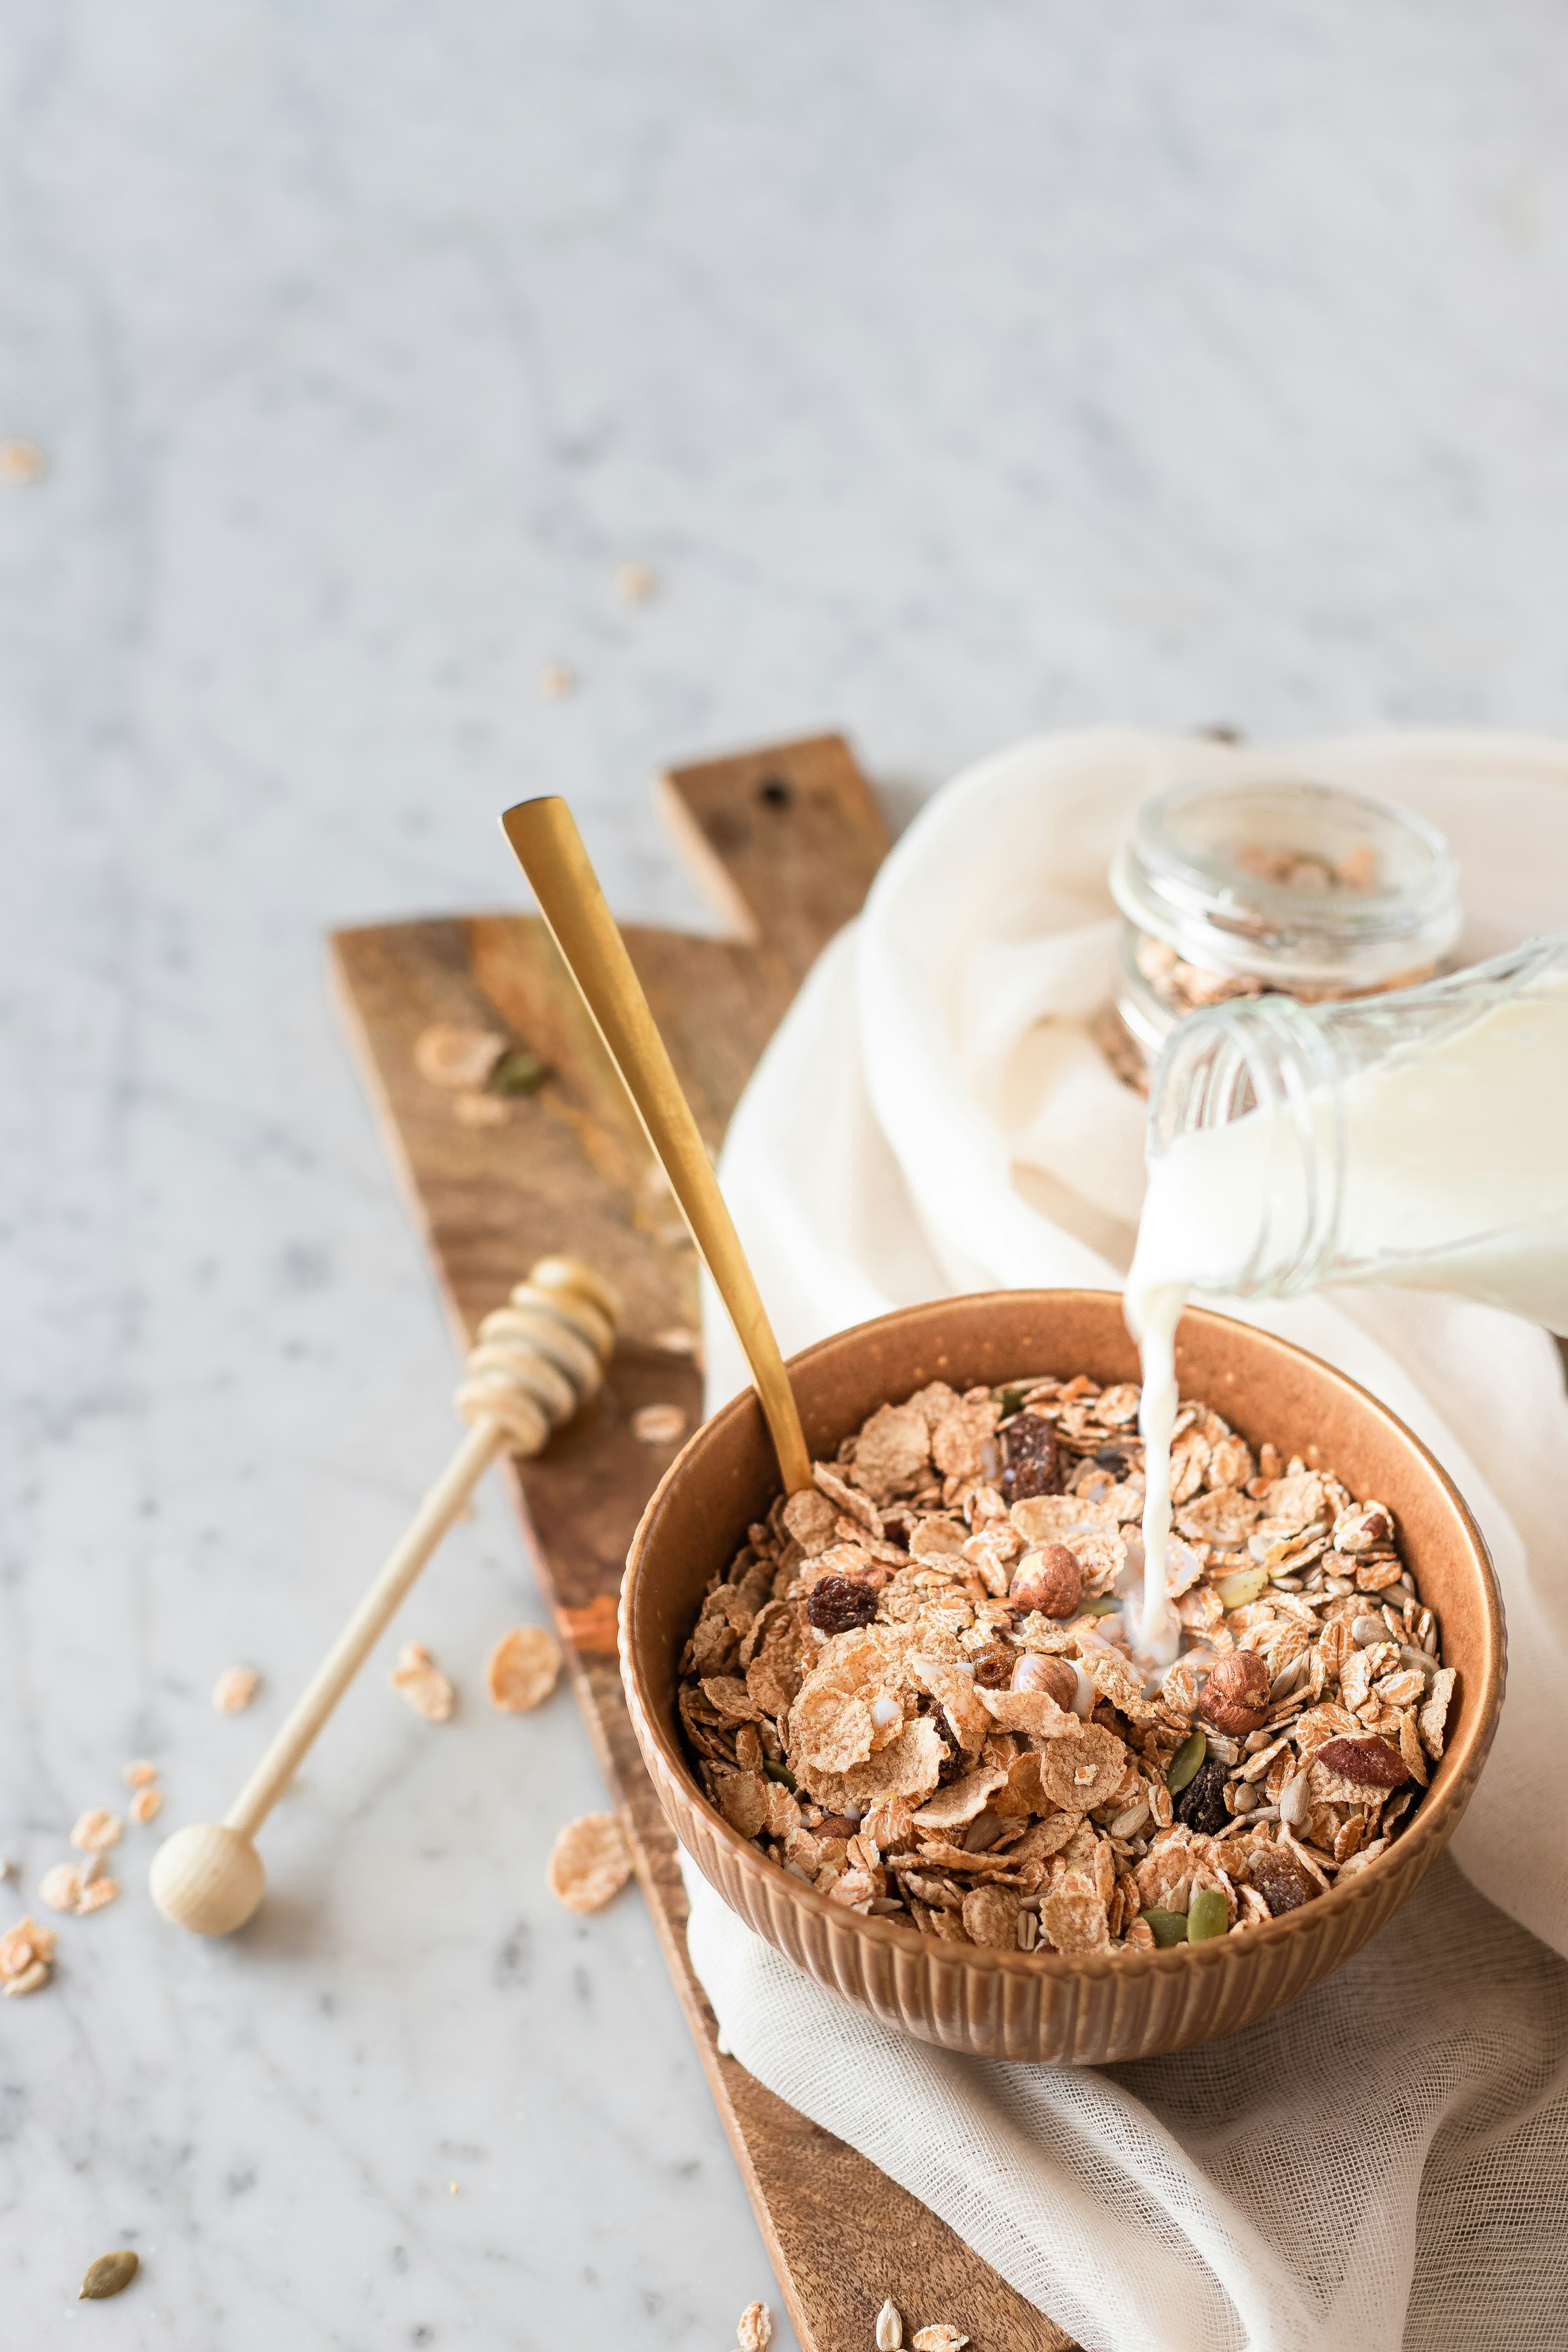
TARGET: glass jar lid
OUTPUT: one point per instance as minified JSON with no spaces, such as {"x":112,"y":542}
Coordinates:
{"x":1290,"y":884}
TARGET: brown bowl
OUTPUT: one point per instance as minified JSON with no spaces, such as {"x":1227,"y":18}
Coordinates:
{"x":1089,"y":2009}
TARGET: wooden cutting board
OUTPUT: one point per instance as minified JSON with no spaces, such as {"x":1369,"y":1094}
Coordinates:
{"x":786,"y":841}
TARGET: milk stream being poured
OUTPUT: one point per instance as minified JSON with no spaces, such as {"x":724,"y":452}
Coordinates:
{"x":1449,"y":1159}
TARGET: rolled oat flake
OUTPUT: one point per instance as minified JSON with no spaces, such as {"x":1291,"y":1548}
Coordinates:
{"x":109,"y":2275}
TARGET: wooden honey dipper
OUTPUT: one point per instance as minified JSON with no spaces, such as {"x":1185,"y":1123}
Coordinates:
{"x":535,"y":1361}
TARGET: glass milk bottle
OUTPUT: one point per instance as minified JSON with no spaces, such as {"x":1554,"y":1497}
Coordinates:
{"x":1419,"y":1140}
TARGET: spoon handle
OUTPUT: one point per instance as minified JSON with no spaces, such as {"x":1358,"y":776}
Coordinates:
{"x":550,"y":850}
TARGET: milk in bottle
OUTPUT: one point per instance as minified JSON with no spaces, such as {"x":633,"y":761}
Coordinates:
{"x":1420,"y":1140}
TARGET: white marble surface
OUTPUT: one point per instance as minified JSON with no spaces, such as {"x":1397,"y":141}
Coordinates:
{"x":963,"y":371}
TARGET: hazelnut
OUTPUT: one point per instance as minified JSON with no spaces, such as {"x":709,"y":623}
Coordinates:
{"x":1235,"y":1695}
{"x":1056,"y":1676}
{"x":1050,"y":1581}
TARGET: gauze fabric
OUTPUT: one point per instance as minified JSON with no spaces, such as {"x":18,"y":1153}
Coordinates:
{"x":934,"y":1116}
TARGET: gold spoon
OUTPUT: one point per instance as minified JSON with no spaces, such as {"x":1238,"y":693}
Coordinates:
{"x":550,"y":850}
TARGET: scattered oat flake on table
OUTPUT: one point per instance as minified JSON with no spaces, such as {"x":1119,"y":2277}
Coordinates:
{"x":589,"y":1861}
{"x":111,"y":2274}
{"x":941,"y":2339}
{"x":555,"y":680}
{"x":97,"y":1831}
{"x":422,"y":1684}
{"x":595,"y":1629}
{"x":755,"y":2332}
{"x":679,"y":1341}
{"x":95,"y":1893}
{"x":140,"y":1775}
{"x":635,"y":583}
{"x":890,"y":2327}
{"x":146,"y":1805}
{"x":479,"y":1111}
{"x":448,"y":1056}
{"x":21,"y":462}
{"x":659,"y":1424}
{"x":27,"y":1952}
{"x":521,"y":1669}
{"x":234,"y":1688}
{"x":60,"y":1887}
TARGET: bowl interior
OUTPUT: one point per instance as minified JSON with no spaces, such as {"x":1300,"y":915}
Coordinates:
{"x":726,"y":1477}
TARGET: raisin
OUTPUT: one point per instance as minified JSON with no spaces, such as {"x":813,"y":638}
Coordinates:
{"x":1283,"y":1882}
{"x":956,"y":1763}
{"x":1033,"y":1463}
{"x":838,"y":1603}
{"x":1201,"y":1803}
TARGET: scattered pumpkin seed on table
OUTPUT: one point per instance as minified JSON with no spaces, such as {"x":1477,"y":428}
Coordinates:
{"x":111,"y":2274}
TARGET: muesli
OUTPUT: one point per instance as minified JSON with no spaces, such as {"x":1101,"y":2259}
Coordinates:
{"x":913,"y":1689}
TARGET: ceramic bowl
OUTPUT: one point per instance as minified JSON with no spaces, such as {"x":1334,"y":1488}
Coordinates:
{"x":1081,"y":2008}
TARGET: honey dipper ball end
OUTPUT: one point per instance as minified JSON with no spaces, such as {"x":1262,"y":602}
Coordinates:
{"x":207,"y":1878}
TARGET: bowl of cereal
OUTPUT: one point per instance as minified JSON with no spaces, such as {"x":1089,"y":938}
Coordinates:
{"x":896,"y":1721}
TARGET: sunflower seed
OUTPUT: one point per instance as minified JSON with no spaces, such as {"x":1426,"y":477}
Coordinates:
{"x":1296,"y":1800}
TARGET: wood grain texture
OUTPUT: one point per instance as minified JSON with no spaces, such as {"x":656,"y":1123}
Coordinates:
{"x":789,"y":838}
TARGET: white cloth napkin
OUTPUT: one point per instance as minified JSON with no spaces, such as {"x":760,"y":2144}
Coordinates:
{"x":933,"y":1116}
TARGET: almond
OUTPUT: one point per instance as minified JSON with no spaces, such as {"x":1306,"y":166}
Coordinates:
{"x":1371,"y":1762}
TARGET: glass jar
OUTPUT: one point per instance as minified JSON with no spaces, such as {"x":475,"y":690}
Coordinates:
{"x":1275,"y":888}
{"x":1419,"y":1140}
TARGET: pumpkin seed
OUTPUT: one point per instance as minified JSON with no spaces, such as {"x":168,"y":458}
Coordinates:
{"x":109,"y":2274}
{"x":519,"y":1072}
{"x":1207,"y":1916}
{"x":1184,"y":1763}
{"x":1106,"y":1606}
{"x":1166,"y":1926}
